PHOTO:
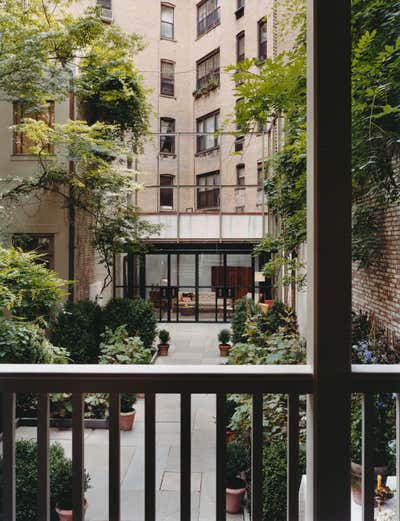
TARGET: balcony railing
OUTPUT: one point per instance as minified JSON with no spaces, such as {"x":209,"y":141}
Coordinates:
{"x":183,"y":380}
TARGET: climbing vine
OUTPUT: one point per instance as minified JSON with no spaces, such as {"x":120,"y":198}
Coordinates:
{"x":276,"y":90}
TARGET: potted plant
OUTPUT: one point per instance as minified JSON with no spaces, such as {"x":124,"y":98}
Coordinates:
{"x":128,"y":412}
{"x":237,"y":462}
{"x":61,"y":483}
{"x":230,"y":409}
{"x":163,"y":346}
{"x":224,"y":337}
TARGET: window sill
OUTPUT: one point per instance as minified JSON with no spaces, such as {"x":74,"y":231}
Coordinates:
{"x":164,"y":39}
{"x":239,"y":12}
{"x":29,"y":157}
{"x":211,"y":209}
{"x":167,"y":155}
{"x":206,"y":152}
{"x":167,"y":96}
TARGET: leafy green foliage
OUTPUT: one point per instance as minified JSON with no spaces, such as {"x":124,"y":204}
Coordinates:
{"x":275,"y":479}
{"x":278,"y":90}
{"x":96,"y":406}
{"x":224,"y":336}
{"x":119,"y":348}
{"x":244,"y":308}
{"x":25,"y":343}
{"x":164,"y":336}
{"x":137,"y":314}
{"x":128,"y":400}
{"x":278,"y":349}
{"x":280,"y":318}
{"x":237,"y":462}
{"x":27,"y":483}
{"x":40,"y":43}
{"x":27,"y":288}
{"x":78,"y":328}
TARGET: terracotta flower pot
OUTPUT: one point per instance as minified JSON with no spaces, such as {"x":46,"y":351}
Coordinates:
{"x":140,"y":395}
{"x":356,"y":479}
{"x":126,"y":420}
{"x":224,"y":349}
{"x":68,"y":515}
{"x":229,"y":436}
{"x":234,"y":500}
{"x":163,"y":349}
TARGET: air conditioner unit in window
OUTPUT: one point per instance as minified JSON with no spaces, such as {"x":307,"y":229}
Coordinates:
{"x":107,"y":15}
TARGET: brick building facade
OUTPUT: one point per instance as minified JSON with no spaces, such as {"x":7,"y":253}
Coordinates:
{"x":376,"y":290}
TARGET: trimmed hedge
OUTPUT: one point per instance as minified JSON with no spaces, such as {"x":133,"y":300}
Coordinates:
{"x":137,"y":314}
{"x":275,"y":479}
{"x":78,"y":328}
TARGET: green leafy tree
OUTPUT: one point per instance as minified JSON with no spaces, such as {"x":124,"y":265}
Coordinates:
{"x":50,"y":53}
{"x":277,"y":89}
{"x":28,"y":289}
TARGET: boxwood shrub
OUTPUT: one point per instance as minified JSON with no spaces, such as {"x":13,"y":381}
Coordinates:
{"x":275,"y":478}
{"x":137,"y":314}
{"x":78,"y":328}
{"x":26,"y":457}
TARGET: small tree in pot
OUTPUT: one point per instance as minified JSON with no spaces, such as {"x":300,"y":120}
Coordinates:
{"x":237,"y":463}
{"x":163,"y":346}
{"x":224,"y":338}
{"x":128,"y":412}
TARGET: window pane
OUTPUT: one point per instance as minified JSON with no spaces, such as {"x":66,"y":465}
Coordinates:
{"x":167,"y":14}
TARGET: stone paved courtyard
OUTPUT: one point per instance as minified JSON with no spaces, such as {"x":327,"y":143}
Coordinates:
{"x":191,"y":344}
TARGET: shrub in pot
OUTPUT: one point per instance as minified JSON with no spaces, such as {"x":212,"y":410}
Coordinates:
{"x":163,"y":346}
{"x":136,"y":314}
{"x":26,"y":459}
{"x":127,"y":414}
{"x":78,"y":328}
{"x":224,"y":338}
{"x":237,"y":463}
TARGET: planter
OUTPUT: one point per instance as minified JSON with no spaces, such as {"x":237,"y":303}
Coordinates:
{"x":356,"y":479}
{"x":234,"y":500}
{"x":224,"y":349}
{"x":126,"y":420}
{"x":229,"y":436}
{"x":68,"y":515}
{"x":163,"y":349}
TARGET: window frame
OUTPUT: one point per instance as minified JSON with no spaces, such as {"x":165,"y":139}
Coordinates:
{"x":163,"y":78}
{"x":262,"y":49}
{"x":214,"y":16}
{"x":200,"y":149}
{"x":240,"y":179}
{"x":19,"y":147}
{"x":212,"y":199}
{"x":164,"y":137}
{"x":240,"y":37}
{"x":212,"y":74}
{"x":167,"y":188}
{"x":162,"y":22}
{"x":48,"y":257}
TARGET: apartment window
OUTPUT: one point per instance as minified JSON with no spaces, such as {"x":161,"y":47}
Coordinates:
{"x":167,"y":143}
{"x":43,"y":244}
{"x":208,"y":16}
{"x":167,"y":78}
{"x":262,"y":39}
{"x":240,"y":175}
{"x":167,"y":22}
{"x":106,"y":10}
{"x":239,"y":141}
{"x":207,"y":126}
{"x":166,"y":192}
{"x":240,"y":47}
{"x":239,"y":9}
{"x":260,"y":174}
{"x":208,"y":70}
{"x":208,"y":188}
{"x":22,"y":145}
